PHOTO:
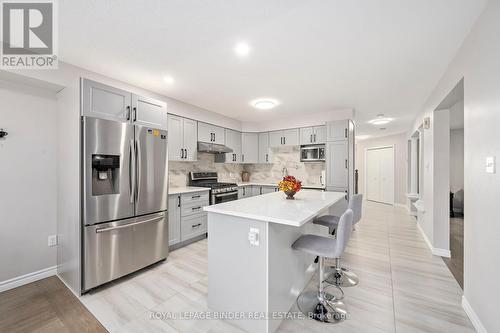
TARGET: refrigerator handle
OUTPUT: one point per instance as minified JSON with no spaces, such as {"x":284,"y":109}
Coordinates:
{"x":131,"y":169}
{"x":137,"y":171}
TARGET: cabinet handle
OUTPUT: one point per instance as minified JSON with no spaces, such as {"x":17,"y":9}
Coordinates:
{"x":135,"y":113}
{"x":182,"y":153}
{"x":345,"y":132}
{"x":179,"y":202}
{"x":234,"y":157}
{"x":284,"y":140}
{"x":242,"y":158}
{"x":128,"y":112}
{"x":196,"y":208}
{"x":185,"y":153}
{"x":311,"y":138}
{"x":244,"y":192}
{"x":346,"y":163}
{"x":281,"y":140}
{"x":194,"y":226}
{"x":314,"y":137}
{"x":267,"y":158}
{"x":261,"y":190}
{"x":195,"y":196}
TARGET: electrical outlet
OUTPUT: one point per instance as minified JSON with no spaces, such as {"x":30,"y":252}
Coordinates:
{"x":253,"y":236}
{"x":52,"y":241}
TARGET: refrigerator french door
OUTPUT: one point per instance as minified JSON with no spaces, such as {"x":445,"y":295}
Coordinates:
{"x":125,"y":199}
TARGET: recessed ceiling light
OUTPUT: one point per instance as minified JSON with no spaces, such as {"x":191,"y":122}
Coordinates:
{"x":264,"y":104}
{"x":168,"y":79}
{"x":242,"y":49}
{"x":380,"y":120}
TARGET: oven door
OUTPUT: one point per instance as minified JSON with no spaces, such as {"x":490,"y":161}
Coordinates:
{"x":224,"y":197}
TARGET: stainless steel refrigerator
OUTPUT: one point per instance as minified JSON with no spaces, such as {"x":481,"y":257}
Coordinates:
{"x":125,"y":180}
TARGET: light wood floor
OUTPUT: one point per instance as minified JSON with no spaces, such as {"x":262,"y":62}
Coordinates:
{"x":403,"y":288}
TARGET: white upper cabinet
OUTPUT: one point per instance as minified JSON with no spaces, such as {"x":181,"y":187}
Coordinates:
{"x":337,"y":166}
{"x":319,"y":133}
{"x":233,"y":141}
{"x":289,"y":137}
{"x":190,"y":138}
{"x":210,"y":133}
{"x":182,"y":142}
{"x":249,"y":147}
{"x":105,"y":102}
{"x":306,"y":136}
{"x":337,"y":130}
{"x":264,"y":151}
{"x":275,"y":139}
{"x":149,"y":112}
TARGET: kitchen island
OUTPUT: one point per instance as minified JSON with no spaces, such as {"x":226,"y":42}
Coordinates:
{"x":253,"y":273}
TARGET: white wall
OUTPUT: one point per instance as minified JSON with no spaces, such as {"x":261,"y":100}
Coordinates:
{"x":400,"y":143}
{"x":28,"y":170}
{"x":478,"y":63}
{"x":457,"y":167}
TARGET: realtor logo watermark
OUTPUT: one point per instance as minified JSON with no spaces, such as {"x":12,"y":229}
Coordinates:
{"x":29,"y":34}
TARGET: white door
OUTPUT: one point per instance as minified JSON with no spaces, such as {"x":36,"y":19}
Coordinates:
{"x":337,"y":130}
{"x":380,"y":175}
{"x":149,"y":112}
{"x":174,"y":219}
{"x":233,"y":141}
{"x":175,"y":142}
{"x":219,"y":134}
{"x":190,"y":138}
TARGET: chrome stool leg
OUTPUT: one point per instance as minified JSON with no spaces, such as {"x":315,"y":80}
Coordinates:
{"x":320,"y":305}
{"x":341,"y":276}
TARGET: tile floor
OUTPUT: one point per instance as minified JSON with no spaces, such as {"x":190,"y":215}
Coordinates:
{"x":403,"y":288}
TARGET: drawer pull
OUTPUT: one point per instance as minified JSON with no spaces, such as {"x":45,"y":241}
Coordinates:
{"x":194,"y":226}
{"x":196,"y":208}
{"x":196,"y":196}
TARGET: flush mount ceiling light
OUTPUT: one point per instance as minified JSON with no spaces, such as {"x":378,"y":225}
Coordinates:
{"x":380,"y":120}
{"x":168,"y":79}
{"x":264,"y":104}
{"x":242,"y":49}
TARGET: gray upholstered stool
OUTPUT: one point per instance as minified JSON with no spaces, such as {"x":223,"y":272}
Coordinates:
{"x":318,"y":304}
{"x":342,"y":276}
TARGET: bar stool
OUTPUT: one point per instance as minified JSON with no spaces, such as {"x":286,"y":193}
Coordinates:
{"x":342,"y":276}
{"x":319,"y":304}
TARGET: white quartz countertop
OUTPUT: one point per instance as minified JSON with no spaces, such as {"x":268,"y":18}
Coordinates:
{"x":275,"y":208}
{"x":320,"y":187}
{"x":186,"y":189}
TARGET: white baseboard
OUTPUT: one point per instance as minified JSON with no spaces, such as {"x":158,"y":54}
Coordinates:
{"x":435,"y":251}
{"x":441,"y":252}
{"x":27,"y":278}
{"x":476,"y":322}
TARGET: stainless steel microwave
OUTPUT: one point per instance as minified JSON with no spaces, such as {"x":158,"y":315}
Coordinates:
{"x":314,"y":153}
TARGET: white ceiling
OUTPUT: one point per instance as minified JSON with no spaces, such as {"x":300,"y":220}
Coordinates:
{"x":381,"y":56}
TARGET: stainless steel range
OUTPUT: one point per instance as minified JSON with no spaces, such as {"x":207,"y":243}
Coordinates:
{"x":219,"y":192}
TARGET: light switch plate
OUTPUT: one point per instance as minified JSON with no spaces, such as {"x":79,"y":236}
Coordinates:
{"x":490,"y":164}
{"x":253,"y":236}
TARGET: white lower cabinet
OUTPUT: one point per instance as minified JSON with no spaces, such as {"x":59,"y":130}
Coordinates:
{"x":186,"y":218}
{"x":244,"y":192}
{"x":174,"y":219}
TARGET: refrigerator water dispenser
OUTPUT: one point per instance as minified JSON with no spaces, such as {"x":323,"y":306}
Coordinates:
{"x":105,"y":178}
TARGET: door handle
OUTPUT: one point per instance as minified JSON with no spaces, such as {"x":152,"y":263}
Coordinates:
{"x":137,"y":171}
{"x":345,"y":132}
{"x":131,"y":180}
{"x":99,"y":230}
{"x":128,"y":112}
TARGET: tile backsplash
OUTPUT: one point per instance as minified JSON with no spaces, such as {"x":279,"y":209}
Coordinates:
{"x":289,"y":158}
{"x":285,"y":157}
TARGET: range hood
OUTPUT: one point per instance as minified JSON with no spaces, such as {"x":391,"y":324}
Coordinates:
{"x":213,"y":148}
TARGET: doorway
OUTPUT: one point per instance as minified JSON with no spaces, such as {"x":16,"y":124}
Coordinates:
{"x":380,"y":174}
